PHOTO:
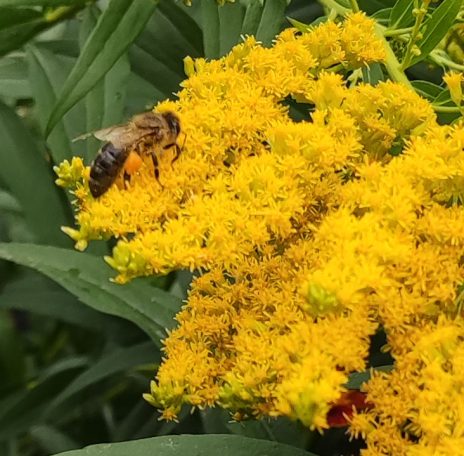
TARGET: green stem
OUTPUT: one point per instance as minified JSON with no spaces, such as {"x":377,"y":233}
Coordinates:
{"x":420,"y":14}
{"x":394,"y":32}
{"x":392,"y":65}
{"x":446,"y":108}
{"x":437,"y":57}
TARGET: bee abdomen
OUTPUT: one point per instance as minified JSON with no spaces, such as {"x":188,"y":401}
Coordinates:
{"x":105,"y":168}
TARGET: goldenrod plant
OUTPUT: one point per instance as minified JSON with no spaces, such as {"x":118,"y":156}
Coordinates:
{"x":290,"y":242}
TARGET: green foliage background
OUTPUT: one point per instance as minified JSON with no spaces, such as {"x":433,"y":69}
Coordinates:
{"x":77,"y":351}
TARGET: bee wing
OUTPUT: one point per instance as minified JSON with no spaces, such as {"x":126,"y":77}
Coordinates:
{"x":121,"y":136}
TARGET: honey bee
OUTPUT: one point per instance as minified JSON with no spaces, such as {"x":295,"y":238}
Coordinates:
{"x":125,"y":144}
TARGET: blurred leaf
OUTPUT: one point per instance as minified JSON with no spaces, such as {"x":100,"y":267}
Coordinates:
{"x":271,"y":20}
{"x":401,"y":14}
{"x":87,"y":277}
{"x":373,"y":74}
{"x":18,"y":25}
{"x":252,"y":18}
{"x":356,"y":379}
{"x":436,"y":27}
{"x":427,"y":89}
{"x":13,"y":78}
{"x":211,"y":28}
{"x":8,"y":203}
{"x":231,"y":17}
{"x":117,"y":28}
{"x":372,"y":6}
{"x":204,"y":445}
{"x":42,"y":2}
{"x":110,"y":364}
{"x":183,"y":26}
{"x":38,"y":295}
{"x":47,"y":73}
{"x":52,"y":440}
{"x":382,"y":16}
{"x":30,"y":180}
{"x":18,"y":412}
{"x":104,"y":104}
{"x":12,"y":356}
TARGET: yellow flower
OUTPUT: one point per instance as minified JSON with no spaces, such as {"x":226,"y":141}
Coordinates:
{"x":305,"y":238}
{"x":454,"y":82}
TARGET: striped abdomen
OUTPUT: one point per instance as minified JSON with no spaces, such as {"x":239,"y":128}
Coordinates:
{"x":105,"y":168}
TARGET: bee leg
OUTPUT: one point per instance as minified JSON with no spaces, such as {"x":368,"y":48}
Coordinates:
{"x":154,"y":159}
{"x":127,"y":179}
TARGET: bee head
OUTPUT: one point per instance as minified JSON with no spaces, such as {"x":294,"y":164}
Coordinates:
{"x":172,"y":121}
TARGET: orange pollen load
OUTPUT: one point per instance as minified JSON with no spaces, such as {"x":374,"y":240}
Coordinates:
{"x":133,"y":163}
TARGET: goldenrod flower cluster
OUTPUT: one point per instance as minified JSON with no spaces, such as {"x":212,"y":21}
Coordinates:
{"x":306,"y":237}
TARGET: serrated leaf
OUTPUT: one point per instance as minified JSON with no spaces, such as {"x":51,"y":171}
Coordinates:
{"x":88,"y":277}
{"x":116,"y":30}
{"x":117,"y":361}
{"x":401,"y":14}
{"x":30,"y":180}
{"x":204,"y":445}
{"x":436,"y":27}
{"x":271,"y":20}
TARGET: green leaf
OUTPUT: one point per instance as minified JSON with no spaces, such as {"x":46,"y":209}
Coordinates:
{"x":183,"y":26}
{"x":38,"y":295}
{"x":252,"y":17}
{"x":47,"y":73}
{"x":436,"y":27}
{"x":356,"y":379}
{"x":372,"y":6}
{"x":87,"y":277}
{"x":19,"y":412}
{"x":30,"y":180}
{"x":401,"y":14}
{"x":17,"y":26}
{"x":382,"y":16}
{"x":373,"y":74}
{"x":204,"y":445}
{"x":13,"y":78}
{"x":104,"y":104}
{"x":117,"y":28}
{"x":12,"y":355}
{"x":51,"y":439}
{"x":427,"y":89}
{"x":113,"y":363}
{"x":271,"y":20}
{"x":231,"y":17}
{"x":41,"y":2}
{"x":211,"y":28}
